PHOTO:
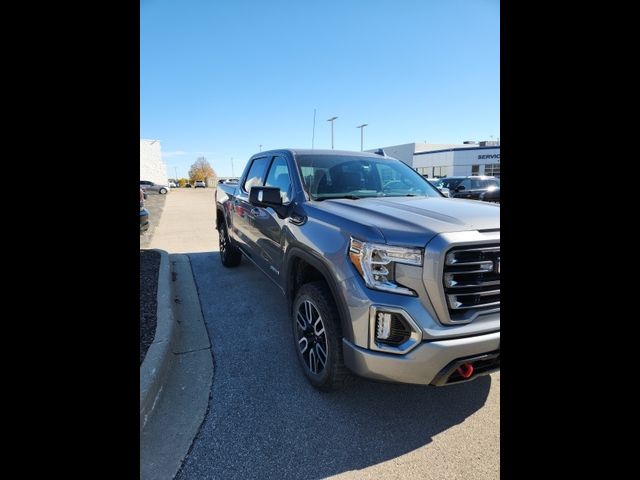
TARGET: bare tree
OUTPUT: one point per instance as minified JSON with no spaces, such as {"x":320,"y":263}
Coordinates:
{"x":202,"y":170}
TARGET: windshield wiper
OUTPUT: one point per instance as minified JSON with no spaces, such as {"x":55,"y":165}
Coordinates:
{"x":348,"y":196}
{"x":404,"y":195}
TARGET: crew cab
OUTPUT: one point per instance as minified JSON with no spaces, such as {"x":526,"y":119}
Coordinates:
{"x":382,"y":275}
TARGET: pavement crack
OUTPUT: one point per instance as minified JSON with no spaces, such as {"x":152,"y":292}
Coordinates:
{"x":191,"y":351}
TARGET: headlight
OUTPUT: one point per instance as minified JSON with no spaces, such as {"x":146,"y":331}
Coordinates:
{"x":376,"y":263}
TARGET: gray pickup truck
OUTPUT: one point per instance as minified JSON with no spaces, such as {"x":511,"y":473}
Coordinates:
{"x":383,"y":276}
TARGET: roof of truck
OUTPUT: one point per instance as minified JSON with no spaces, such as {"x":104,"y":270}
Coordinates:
{"x":308,"y":151}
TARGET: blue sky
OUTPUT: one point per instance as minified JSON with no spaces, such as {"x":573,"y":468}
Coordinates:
{"x":220,"y":78}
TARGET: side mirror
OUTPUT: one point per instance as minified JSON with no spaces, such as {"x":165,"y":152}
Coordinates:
{"x":268,"y":197}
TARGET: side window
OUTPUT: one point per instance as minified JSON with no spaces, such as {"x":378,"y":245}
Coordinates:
{"x":475,"y":169}
{"x":256,"y":174}
{"x":466,"y":183}
{"x":279,"y":177}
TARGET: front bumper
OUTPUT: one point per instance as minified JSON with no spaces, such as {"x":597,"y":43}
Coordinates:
{"x":426,"y":364}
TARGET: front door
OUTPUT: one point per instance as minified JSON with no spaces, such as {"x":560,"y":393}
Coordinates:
{"x":269,"y":227}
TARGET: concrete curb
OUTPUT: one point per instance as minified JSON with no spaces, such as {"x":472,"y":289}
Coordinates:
{"x":182,"y":407}
{"x":157,"y":362}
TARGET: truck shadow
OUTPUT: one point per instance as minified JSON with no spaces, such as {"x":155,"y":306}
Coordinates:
{"x":390,"y":420}
{"x":266,"y":421}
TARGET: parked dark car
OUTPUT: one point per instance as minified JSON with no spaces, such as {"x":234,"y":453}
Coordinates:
{"x":144,"y":214}
{"x":470,"y":187}
{"x":491,"y":195}
{"x":187,"y":185}
{"x":148,"y":186}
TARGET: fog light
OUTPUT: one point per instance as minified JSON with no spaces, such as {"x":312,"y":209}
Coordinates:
{"x":392,"y":330}
{"x":383,"y":325}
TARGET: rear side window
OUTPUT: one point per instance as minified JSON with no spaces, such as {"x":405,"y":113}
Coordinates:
{"x":279,"y":177}
{"x":255,"y":177}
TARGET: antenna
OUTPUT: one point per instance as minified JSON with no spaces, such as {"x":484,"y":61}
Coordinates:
{"x":313,"y":134}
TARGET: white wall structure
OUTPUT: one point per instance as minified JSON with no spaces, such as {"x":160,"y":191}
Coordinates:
{"x":152,"y":167}
{"x":439,"y":160}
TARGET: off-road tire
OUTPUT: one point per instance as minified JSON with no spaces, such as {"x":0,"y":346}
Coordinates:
{"x":334,"y":374}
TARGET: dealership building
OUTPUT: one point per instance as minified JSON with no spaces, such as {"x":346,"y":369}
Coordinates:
{"x":152,"y":168}
{"x":448,"y":160}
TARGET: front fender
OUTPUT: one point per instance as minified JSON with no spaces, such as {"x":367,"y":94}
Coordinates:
{"x":325,"y":270}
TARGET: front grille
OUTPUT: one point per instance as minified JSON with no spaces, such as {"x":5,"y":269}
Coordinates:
{"x":471,"y":280}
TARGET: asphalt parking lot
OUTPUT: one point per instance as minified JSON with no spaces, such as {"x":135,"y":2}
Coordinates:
{"x":265,"y":421}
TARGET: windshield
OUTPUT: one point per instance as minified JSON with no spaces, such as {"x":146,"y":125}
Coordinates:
{"x":334,"y":176}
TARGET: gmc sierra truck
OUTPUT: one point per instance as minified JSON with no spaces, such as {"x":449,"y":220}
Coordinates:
{"x":383,"y":276}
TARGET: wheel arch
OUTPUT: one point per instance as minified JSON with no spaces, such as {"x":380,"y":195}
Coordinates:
{"x":303,"y":267}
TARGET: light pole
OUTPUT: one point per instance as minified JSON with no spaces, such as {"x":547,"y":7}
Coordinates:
{"x":232,"y":172}
{"x":331,"y":120}
{"x":260,"y":147}
{"x":361,"y":127}
{"x":175,"y":169}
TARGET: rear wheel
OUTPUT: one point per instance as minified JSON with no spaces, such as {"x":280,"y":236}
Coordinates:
{"x":230,"y":256}
{"x":318,"y":337}
{"x":163,"y":191}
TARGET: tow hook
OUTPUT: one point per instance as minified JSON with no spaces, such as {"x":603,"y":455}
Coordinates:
{"x":465,"y":370}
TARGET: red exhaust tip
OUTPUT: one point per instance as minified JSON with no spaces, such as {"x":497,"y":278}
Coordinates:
{"x":465,"y":370}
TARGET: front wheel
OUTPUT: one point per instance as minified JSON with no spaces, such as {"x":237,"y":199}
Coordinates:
{"x":163,"y":191}
{"x":318,"y":337}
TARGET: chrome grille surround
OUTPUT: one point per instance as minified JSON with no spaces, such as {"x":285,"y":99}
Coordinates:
{"x":461,"y":275}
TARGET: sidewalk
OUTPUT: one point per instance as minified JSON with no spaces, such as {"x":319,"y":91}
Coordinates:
{"x":180,"y":381}
{"x":188,"y":222}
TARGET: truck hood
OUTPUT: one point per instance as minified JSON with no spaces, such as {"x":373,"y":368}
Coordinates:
{"x":414,"y":221}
